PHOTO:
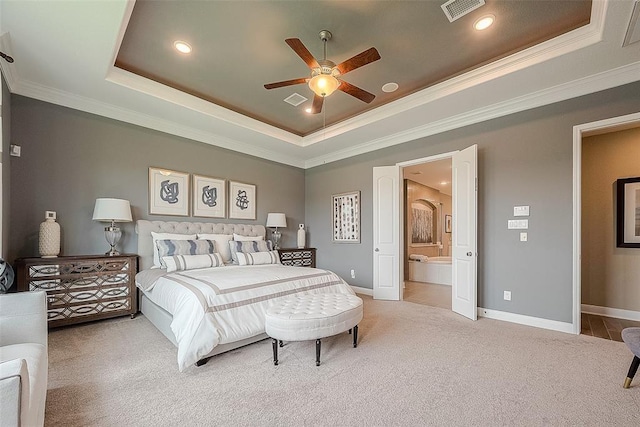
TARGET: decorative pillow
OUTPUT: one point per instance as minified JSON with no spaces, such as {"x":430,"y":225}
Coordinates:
{"x":165,"y":236}
{"x":184,"y":247}
{"x":248,"y":247}
{"x":222,"y":244}
{"x":241,"y":238}
{"x":190,"y":262}
{"x":258,"y":258}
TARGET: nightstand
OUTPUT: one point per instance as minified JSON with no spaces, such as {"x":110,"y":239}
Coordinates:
{"x":82,"y":288}
{"x":295,"y":257}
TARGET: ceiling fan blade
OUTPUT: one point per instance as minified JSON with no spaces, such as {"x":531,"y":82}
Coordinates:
{"x":356,"y":92}
{"x":363,"y":58}
{"x":286,"y":83}
{"x":302,"y":52}
{"x":317,"y":104}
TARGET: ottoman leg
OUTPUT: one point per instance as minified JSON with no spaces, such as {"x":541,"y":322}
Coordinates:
{"x":317,"y":352}
{"x":274,"y":344}
{"x":632,"y":371}
{"x":355,"y":336}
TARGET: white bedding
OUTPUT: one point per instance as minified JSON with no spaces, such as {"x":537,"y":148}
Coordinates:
{"x":212,"y":306}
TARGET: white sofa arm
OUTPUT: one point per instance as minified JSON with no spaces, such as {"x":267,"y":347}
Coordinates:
{"x":23,"y":318}
{"x":14,"y":392}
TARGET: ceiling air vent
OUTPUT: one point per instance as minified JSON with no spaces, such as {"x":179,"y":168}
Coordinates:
{"x":295,"y":99}
{"x":455,"y":9}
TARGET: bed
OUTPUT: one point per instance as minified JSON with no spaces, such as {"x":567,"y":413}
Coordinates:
{"x":207,"y":311}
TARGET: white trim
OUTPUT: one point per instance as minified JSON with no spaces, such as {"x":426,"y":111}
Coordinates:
{"x":618,"y":313}
{"x":429,"y":159}
{"x":584,"y":86}
{"x":364,"y":291}
{"x":521,"y":319}
{"x":587,"y":129}
{"x":77,"y":102}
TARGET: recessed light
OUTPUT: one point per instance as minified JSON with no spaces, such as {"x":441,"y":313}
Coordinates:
{"x":308,"y":110}
{"x":484,"y":22}
{"x":416,"y":173}
{"x":390,"y":87}
{"x":443,"y":183}
{"x":182,"y":47}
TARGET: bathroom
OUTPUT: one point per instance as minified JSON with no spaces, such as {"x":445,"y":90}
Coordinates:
{"x":427,"y":227}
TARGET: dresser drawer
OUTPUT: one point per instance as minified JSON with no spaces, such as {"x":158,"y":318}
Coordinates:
{"x":82,"y":288}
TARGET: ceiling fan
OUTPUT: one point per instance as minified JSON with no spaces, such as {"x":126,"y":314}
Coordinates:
{"x":325,"y":74}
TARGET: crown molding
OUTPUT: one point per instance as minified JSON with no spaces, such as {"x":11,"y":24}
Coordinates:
{"x":584,"y":86}
{"x":572,"y":41}
{"x":76,"y":102}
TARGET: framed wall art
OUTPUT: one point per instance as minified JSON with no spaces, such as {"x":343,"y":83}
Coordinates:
{"x":242,"y":200}
{"x":346,"y":217}
{"x":447,"y":223}
{"x":168,"y":192}
{"x":209,"y":197}
{"x":628,"y":213}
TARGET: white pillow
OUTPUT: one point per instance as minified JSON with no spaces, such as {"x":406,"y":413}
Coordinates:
{"x":245,"y":246}
{"x":258,"y":258}
{"x":166,"y":236}
{"x":241,"y":238}
{"x":222,"y":244}
{"x":190,"y":262}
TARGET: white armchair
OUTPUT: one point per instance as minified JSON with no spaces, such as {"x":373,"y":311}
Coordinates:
{"x":23,"y":358}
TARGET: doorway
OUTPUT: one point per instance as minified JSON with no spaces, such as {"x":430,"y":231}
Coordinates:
{"x":427,"y":233}
{"x":582,"y":323}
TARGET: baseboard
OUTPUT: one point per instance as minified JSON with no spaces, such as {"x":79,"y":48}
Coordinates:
{"x":611,"y":312}
{"x":521,"y":319}
{"x":364,"y":291}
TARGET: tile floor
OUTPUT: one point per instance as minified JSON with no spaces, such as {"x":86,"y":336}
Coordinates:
{"x":605,"y":327}
{"x":428,"y":294}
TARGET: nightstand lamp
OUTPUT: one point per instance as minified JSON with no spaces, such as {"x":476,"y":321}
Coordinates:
{"x":112,"y":210}
{"x":275,"y":220}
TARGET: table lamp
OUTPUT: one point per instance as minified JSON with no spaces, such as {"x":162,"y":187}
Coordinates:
{"x":112,"y":210}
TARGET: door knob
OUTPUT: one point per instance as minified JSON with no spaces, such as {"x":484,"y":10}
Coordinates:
{"x":469,"y":253}
{"x":377,"y":250}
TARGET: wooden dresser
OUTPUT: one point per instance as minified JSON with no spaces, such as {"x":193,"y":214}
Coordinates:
{"x":82,"y":288}
{"x":295,"y":257}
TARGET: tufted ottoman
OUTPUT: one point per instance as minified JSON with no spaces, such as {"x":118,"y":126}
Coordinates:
{"x":312,"y":317}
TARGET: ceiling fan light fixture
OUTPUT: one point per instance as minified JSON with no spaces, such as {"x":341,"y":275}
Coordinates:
{"x":323,"y":84}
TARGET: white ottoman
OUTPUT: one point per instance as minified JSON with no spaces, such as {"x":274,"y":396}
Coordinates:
{"x":312,"y":317}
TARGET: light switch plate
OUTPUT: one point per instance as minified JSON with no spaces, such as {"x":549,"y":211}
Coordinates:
{"x":518,"y":224}
{"x":521,"y":211}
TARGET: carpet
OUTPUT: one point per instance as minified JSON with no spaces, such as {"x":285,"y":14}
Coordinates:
{"x":414,"y":365}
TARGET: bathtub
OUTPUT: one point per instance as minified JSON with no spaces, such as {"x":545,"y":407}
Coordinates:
{"x":435,"y":270}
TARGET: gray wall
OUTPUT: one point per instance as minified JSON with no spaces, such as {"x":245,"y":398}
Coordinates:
{"x":70,"y":158}
{"x":610,"y":275}
{"x":6,"y":167}
{"x":523,"y":159}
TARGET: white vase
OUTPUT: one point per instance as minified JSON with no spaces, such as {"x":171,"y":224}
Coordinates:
{"x":49,"y":242}
{"x":302,"y":236}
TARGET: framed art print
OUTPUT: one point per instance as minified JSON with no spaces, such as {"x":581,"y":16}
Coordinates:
{"x":346,"y":217}
{"x":628,"y":213}
{"x":242,"y":200}
{"x":209,"y":197}
{"x":168,"y":192}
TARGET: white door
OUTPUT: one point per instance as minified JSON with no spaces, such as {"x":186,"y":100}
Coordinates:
{"x":464,"y":298}
{"x":386,"y":233}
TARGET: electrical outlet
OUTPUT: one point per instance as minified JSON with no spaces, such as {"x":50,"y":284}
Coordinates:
{"x":523,"y":237}
{"x":507,"y":295}
{"x":353,"y":274}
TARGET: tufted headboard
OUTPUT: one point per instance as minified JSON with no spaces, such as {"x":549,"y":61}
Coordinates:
{"x":145,"y":242}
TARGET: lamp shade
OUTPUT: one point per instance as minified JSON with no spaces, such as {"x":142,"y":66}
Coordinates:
{"x":276,"y":220}
{"x":108,"y":210}
{"x":323,"y":84}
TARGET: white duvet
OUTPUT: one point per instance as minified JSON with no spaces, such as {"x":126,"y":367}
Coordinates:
{"x":222,"y":305}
